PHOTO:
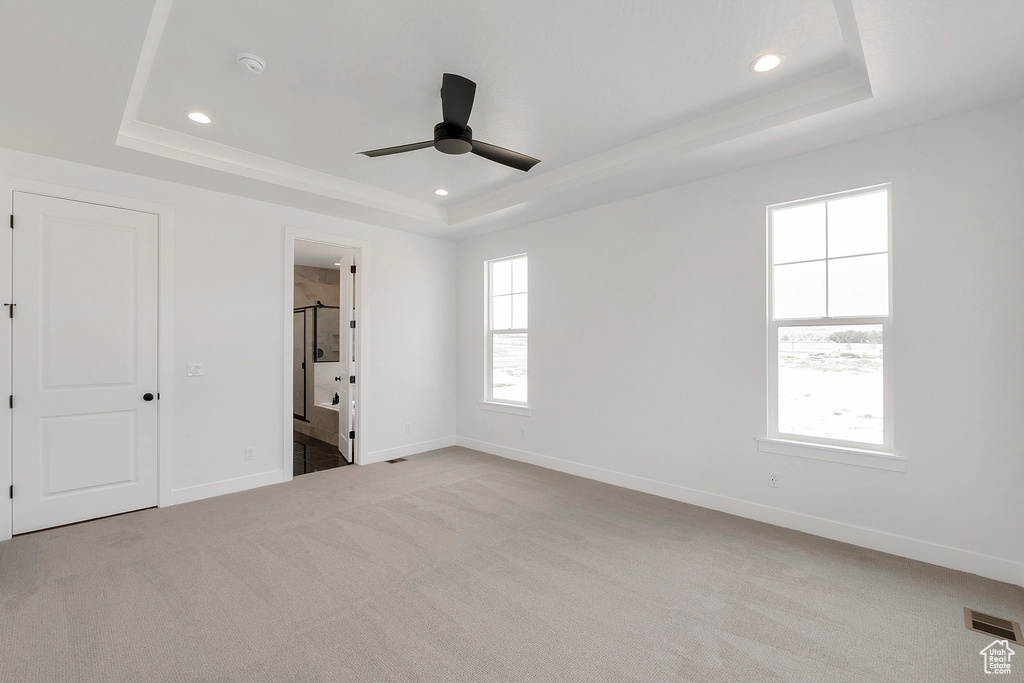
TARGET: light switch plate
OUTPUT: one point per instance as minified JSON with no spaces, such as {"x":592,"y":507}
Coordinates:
{"x":195,"y":369}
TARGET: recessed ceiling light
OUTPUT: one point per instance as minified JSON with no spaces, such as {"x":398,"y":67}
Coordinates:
{"x":766,"y":62}
{"x":338,"y":263}
{"x":440,"y":192}
{"x":199,"y":117}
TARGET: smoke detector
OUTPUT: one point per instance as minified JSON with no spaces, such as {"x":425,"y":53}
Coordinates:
{"x":251,"y":63}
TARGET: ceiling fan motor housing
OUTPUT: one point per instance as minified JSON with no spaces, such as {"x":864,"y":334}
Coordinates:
{"x":453,"y":136}
{"x":452,"y":139}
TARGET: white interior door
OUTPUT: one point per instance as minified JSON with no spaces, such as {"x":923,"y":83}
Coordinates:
{"x":85,"y":361}
{"x":346,"y":393}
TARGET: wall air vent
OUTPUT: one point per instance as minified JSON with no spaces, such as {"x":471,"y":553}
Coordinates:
{"x":1003,"y":629}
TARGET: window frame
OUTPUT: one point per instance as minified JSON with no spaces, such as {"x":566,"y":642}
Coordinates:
{"x":489,"y":402}
{"x":816,"y":446}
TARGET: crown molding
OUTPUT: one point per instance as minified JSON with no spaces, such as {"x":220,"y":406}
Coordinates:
{"x":799,"y":101}
{"x":145,"y":137}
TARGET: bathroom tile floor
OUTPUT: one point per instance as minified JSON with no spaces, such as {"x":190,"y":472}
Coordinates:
{"x":313,"y":455}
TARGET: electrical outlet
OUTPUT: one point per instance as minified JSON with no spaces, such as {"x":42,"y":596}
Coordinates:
{"x":250,"y":452}
{"x":522,"y":433}
{"x":773,"y":480}
{"x":408,"y":427}
{"x":195,"y":369}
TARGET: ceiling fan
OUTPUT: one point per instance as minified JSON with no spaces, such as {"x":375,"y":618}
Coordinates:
{"x":453,"y":135}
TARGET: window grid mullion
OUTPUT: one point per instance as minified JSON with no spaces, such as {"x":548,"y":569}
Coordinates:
{"x":832,"y":258}
{"x":827,"y":297}
{"x":826,"y":322}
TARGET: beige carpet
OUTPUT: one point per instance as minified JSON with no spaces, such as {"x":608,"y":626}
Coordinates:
{"x":459,"y":566}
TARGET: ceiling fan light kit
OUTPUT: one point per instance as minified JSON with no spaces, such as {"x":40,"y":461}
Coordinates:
{"x":454,"y":136}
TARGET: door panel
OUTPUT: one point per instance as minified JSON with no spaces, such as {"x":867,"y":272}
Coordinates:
{"x":73,"y":303}
{"x":112,"y":437}
{"x":345,"y":370}
{"x":85,"y":349}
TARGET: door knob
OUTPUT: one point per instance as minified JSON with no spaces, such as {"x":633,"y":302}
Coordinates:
{"x":147,"y":397}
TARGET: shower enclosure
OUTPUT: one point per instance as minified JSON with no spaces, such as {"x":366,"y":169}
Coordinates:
{"x":316,"y":339}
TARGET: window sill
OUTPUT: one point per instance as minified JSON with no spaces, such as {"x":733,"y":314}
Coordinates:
{"x":510,"y":408}
{"x":841,"y":454}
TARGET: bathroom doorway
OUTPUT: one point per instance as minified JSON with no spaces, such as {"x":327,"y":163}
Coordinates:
{"x":323,"y":356}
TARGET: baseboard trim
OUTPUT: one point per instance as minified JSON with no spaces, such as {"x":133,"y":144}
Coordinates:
{"x":988,"y":566}
{"x":220,"y":488}
{"x":252,"y":481}
{"x":410,"y":449}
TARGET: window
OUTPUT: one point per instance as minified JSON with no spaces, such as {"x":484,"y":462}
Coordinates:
{"x":829,"y":321}
{"x":507,"y":310}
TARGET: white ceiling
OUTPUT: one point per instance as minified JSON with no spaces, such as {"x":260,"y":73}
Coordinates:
{"x":561,"y":81}
{"x":318,"y":255}
{"x":615,"y":98}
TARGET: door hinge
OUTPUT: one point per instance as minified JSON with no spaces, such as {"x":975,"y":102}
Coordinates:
{"x":353,"y":267}
{"x":351,"y":323}
{"x":12,"y":221}
{"x":351,"y":379}
{"x":10,"y":309}
{"x":351,"y":435}
{"x":12,"y":491}
{"x":12,"y":401}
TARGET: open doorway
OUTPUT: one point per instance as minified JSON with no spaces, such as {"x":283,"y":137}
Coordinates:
{"x":323,"y":357}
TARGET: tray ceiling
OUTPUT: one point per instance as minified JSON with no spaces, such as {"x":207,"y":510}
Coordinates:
{"x":586,"y":86}
{"x":618,"y":99}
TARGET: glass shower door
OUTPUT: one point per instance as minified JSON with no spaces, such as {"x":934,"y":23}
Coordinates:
{"x":299,"y":364}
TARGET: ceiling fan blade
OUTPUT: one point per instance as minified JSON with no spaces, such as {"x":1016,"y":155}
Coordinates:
{"x":399,"y":149}
{"x":457,"y":95}
{"x":504,"y":156}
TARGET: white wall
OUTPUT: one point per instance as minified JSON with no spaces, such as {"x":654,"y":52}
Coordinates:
{"x":647,"y":345}
{"x":228,"y":303}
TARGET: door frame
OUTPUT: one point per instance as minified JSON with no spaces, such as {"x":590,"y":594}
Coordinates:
{"x":165,"y":307}
{"x":359,"y":249}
